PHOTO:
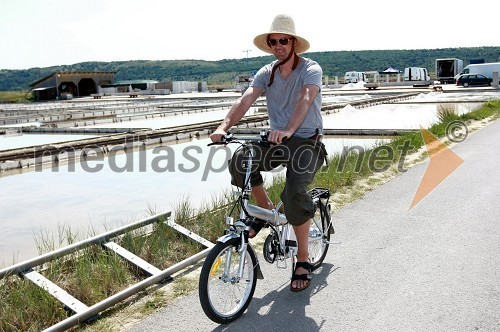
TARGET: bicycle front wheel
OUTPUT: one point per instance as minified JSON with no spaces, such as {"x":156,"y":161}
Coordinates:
{"x":319,"y":235}
{"x":224,"y":296}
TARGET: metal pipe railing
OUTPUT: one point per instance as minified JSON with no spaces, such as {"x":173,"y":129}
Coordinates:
{"x":98,"y":239}
{"x":103,"y":305}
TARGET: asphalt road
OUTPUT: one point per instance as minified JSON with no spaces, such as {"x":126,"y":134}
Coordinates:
{"x":435,"y":267}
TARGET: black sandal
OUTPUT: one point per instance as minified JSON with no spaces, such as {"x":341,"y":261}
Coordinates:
{"x":306,"y":276}
{"x":256,"y":225}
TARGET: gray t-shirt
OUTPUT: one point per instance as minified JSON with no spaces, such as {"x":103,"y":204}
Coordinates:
{"x":282,"y":96}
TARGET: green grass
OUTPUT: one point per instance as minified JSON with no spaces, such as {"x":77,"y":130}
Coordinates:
{"x":95,"y":274}
{"x":16,"y":96}
{"x":26,"y":307}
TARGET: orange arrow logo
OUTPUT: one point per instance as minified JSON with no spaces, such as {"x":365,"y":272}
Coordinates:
{"x":442,"y":163}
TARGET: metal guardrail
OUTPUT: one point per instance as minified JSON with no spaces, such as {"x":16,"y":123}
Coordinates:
{"x":83,"y":312}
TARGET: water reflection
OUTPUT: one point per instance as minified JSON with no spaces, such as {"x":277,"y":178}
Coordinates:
{"x":393,"y":116}
{"x":169,"y":121}
{"x":20,"y":140}
{"x":471,"y":96}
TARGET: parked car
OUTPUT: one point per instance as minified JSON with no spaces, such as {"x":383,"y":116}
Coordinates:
{"x":473,"y":79}
{"x":65,"y":96}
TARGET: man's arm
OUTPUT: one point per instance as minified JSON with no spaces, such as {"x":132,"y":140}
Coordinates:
{"x":307,"y":95}
{"x":236,"y":112}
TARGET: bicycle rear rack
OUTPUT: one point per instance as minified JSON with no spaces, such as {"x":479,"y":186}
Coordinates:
{"x":319,"y":193}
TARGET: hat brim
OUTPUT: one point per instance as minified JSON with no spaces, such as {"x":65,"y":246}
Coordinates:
{"x":261,"y":42}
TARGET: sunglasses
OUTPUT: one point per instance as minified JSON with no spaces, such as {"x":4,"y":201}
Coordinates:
{"x":282,"y":41}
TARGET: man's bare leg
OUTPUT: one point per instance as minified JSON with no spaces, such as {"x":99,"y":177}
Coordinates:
{"x":302,"y":235}
{"x":260,"y":194}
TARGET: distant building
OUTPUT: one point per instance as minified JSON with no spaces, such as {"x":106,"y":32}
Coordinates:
{"x":63,"y":85}
{"x":59,"y":84}
{"x":121,"y":86}
{"x":186,"y":86}
{"x":153,"y":87}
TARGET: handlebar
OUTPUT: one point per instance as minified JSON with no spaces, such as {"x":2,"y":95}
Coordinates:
{"x":230,"y":138}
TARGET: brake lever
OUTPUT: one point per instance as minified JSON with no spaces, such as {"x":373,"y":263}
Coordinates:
{"x":265,"y":140}
{"x":226,"y":139}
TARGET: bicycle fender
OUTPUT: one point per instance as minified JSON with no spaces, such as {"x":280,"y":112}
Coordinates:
{"x":227,"y":237}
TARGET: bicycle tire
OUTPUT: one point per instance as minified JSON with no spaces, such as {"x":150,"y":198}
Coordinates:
{"x":225,"y":298}
{"x":319,"y":235}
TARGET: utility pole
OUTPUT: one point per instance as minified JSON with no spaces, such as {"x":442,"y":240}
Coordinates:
{"x":248,"y":70}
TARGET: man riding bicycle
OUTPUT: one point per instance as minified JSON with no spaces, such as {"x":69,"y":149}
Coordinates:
{"x":292,"y":85}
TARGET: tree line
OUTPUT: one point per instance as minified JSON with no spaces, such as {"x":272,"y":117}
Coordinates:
{"x":334,"y":63}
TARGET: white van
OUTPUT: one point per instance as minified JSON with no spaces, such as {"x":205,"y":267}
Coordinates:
{"x":354,"y":77}
{"x":485,"y":69}
{"x":416,"y":74}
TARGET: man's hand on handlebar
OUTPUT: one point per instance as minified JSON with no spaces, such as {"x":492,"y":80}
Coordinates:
{"x":278,"y":136}
{"x":217,"y":135}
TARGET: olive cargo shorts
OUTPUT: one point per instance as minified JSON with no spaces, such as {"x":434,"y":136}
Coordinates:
{"x":302,"y":158}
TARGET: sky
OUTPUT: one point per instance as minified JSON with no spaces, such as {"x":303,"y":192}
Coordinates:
{"x":43,"y":33}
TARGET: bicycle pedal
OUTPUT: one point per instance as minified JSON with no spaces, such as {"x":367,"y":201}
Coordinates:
{"x":281,"y":266}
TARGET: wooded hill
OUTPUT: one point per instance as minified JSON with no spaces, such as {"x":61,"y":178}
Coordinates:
{"x":224,"y":71}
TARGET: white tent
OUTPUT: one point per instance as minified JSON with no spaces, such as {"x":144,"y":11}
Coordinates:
{"x":390,"y":70}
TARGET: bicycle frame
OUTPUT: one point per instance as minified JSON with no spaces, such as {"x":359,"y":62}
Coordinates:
{"x":240,"y":229}
{"x":273,"y":218}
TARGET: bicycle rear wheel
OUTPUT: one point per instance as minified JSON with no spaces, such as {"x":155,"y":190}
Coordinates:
{"x":319,"y":234}
{"x":223,"y":295}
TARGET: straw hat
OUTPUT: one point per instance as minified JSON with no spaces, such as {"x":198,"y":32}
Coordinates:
{"x":282,"y":24}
